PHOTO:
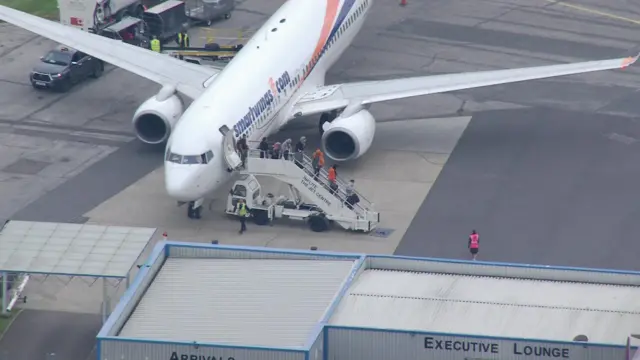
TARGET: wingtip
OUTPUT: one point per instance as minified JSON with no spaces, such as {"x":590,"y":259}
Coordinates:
{"x":629,"y":60}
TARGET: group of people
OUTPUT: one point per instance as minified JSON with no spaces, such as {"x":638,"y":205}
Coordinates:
{"x":286,"y":150}
{"x":283,"y":150}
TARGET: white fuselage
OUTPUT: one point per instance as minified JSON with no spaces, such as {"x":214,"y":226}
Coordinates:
{"x":255,"y":93}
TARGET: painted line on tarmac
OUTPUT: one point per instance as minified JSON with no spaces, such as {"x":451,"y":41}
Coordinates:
{"x":594,"y":11}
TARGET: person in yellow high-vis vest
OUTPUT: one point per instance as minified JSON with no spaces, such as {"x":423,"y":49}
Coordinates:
{"x":183,"y":41}
{"x":155,"y":44}
{"x":242,"y":211}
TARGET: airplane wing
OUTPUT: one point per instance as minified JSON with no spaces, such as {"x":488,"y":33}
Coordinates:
{"x":162,"y":69}
{"x":330,"y":97}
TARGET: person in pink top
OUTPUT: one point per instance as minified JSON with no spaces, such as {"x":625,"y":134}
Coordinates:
{"x":474,"y":244}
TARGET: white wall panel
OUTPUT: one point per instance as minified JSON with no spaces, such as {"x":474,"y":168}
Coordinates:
{"x":128,"y":350}
{"x":362,"y":344}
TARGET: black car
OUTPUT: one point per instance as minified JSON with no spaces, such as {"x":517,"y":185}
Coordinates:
{"x":63,"y":67}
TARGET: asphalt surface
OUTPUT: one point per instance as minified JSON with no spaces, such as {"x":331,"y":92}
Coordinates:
{"x":551,"y":184}
{"x":96,"y":184}
{"x":48,"y":139}
{"x":541,"y":187}
{"x":37,"y":334}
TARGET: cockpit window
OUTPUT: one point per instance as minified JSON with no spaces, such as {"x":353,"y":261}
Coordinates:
{"x":189,"y":159}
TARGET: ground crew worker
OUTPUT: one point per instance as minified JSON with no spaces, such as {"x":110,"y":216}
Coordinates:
{"x":242,"y":211}
{"x":183,"y":41}
{"x":474,"y":244}
{"x":155,"y":44}
{"x":317,"y":163}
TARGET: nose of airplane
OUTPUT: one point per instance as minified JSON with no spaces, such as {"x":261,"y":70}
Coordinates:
{"x":181,"y":183}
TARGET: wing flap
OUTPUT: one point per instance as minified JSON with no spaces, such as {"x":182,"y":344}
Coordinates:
{"x":188,"y":78}
{"x":332,"y":97}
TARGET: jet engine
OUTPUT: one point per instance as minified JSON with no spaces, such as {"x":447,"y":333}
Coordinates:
{"x":156,"y":117}
{"x":348,"y":138}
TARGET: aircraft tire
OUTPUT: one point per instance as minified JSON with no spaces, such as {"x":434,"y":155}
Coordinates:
{"x":318,"y":223}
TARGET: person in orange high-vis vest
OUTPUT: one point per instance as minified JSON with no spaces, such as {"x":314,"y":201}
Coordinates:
{"x":333,"y":186}
{"x":474,"y":244}
{"x":317,"y":163}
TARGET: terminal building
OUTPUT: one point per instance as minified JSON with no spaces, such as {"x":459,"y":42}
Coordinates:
{"x":212,"y":302}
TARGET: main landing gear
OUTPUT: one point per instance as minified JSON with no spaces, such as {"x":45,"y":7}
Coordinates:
{"x":327,"y":117}
{"x":194,"y":209}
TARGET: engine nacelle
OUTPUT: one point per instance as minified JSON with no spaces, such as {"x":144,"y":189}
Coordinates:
{"x":348,"y":138}
{"x":156,"y":117}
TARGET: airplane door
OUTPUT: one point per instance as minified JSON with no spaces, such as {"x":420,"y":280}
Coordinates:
{"x":231,"y":157}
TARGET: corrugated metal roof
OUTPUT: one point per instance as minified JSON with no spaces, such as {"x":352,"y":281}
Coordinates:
{"x":491,"y":306}
{"x":71,"y":249}
{"x":238,"y":302}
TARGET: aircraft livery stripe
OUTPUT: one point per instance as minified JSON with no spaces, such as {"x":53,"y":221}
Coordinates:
{"x":329,"y":17}
{"x":346,"y":8}
{"x":329,"y":32}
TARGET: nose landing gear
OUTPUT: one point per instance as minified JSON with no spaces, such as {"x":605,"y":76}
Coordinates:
{"x":194,"y":209}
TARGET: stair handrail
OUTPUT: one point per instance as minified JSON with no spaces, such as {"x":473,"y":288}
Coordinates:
{"x":307,"y":168}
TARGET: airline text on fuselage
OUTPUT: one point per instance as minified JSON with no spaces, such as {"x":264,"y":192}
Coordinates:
{"x":266,"y":101}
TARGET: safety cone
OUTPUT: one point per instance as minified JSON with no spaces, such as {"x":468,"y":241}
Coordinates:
{"x":403,"y":2}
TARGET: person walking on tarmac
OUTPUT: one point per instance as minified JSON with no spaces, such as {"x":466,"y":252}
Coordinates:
{"x":242,"y":211}
{"x":155,"y":44}
{"x":474,"y":244}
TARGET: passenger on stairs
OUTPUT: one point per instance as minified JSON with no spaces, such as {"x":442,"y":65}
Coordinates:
{"x":286,"y":149}
{"x":243,"y":149}
{"x":333,"y":185}
{"x":352,"y":197}
{"x":264,"y":148}
{"x":300,"y":145}
{"x":317,"y":163}
{"x":275,"y":152}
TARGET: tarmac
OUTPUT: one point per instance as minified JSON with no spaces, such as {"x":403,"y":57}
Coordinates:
{"x":549,"y":163}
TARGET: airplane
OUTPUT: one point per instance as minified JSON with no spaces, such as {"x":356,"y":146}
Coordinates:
{"x":278,"y":77}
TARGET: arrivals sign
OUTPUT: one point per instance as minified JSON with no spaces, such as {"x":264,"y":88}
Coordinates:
{"x":178,"y":356}
{"x":487,"y":349}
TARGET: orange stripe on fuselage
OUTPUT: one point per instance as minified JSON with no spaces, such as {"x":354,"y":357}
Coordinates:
{"x":329,"y":17}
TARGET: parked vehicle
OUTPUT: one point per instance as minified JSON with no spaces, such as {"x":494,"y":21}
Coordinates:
{"x":166,"y":19}
{"x":207,"y":11}
{"x":63,"y":67}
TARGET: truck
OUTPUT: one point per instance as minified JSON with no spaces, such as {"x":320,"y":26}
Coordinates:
{"x":95,"y":15}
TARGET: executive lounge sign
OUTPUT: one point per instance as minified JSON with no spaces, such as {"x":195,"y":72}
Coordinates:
{"x":493,"y":349}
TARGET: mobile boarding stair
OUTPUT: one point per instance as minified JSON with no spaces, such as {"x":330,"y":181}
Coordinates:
{"x":301,"y":180}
